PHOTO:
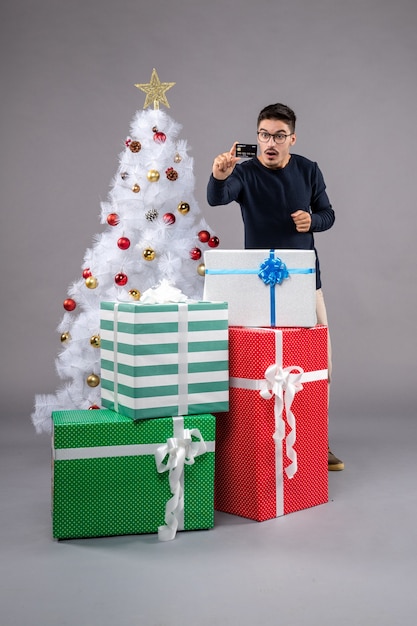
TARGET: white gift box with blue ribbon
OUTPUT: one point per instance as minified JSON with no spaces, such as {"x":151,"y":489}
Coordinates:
{"x":275,"y":288}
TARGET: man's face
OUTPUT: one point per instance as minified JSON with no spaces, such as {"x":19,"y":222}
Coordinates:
{"x":272,"y":154}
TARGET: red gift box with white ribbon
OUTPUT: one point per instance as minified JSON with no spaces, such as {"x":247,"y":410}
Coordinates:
{"x":271,"y":446}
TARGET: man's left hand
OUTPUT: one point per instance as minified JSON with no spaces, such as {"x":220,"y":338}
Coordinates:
{"x":302,"y":221}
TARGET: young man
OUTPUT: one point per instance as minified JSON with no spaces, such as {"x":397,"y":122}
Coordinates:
{"x":282,"y":197}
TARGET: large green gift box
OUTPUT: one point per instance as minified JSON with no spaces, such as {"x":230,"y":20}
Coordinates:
{"x":160,"y":360}
{"x":114,"y":476}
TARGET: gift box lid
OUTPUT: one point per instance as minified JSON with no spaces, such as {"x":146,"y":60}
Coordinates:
{"x":103,"y":427}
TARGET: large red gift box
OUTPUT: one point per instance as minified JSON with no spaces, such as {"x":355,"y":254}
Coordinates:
{"x":272,"y":444}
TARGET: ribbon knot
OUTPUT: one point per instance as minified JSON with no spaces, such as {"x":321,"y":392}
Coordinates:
{"x":179,"y":451}
{"x":283,"y":384}
{"x":273,"y":271}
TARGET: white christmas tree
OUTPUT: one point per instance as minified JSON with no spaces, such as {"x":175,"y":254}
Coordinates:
{"x":154,"y":233}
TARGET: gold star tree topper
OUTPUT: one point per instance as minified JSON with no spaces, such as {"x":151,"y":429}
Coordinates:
{"x":155,"y":91}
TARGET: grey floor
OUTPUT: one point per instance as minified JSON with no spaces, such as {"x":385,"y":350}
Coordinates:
{"x":352,"y":561}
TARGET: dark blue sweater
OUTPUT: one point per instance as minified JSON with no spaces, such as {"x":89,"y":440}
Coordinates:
{"x":267,"y":197}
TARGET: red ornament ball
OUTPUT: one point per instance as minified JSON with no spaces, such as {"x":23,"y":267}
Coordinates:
{"x":204,"y":236}
{"x":112,"y":219}
{"x":120,"y":279}
{"x":169,"y":219}
{"x":160,"y":137}
{"x":69,"y":304}
{"x":213,"y":242}
{"x":195,"y":254}
{"x":87,"y":273}
{"x":93,"y":407}
{"x":123,"y":243}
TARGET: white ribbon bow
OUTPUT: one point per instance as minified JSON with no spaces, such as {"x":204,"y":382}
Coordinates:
{"x":180,"y":451}
{"x":283,"y":384}
{"x":162,"y":294}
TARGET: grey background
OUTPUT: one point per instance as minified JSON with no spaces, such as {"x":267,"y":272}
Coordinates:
{"x":67,"y":98}
{"x":348,"y":68}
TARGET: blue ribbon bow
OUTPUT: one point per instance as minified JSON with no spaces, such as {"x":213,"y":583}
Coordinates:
{"x":273,"y":271}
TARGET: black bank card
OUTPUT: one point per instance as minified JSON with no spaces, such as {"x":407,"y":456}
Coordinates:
{"x":246,"y":150}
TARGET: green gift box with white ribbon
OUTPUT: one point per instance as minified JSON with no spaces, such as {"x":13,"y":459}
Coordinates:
{"x":114,"y":476}
{"x":160,"y":360}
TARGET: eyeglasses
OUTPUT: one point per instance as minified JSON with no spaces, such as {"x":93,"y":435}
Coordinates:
{"x":279,"y":138}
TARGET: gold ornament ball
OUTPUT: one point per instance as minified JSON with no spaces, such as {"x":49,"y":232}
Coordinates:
{"x":95,"y":341}
{"x":183,"y":207}
{"x":93,"y":380}
{"x":153,"y":176}
{"x":91,"y":282}
{"x":135,"y":294}
{"x":201,"y":269}
{"x":65,"y":337}
{"x":135,"y":188}
{"x":177,"y":158}
{"x":148,"y":254}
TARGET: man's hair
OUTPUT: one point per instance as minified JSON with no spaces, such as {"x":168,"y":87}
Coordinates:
{"x":278,"y":112}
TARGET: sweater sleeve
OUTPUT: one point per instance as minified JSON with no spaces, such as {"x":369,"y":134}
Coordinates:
{"x":223,"y":191}
{"x":322,"y":214}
